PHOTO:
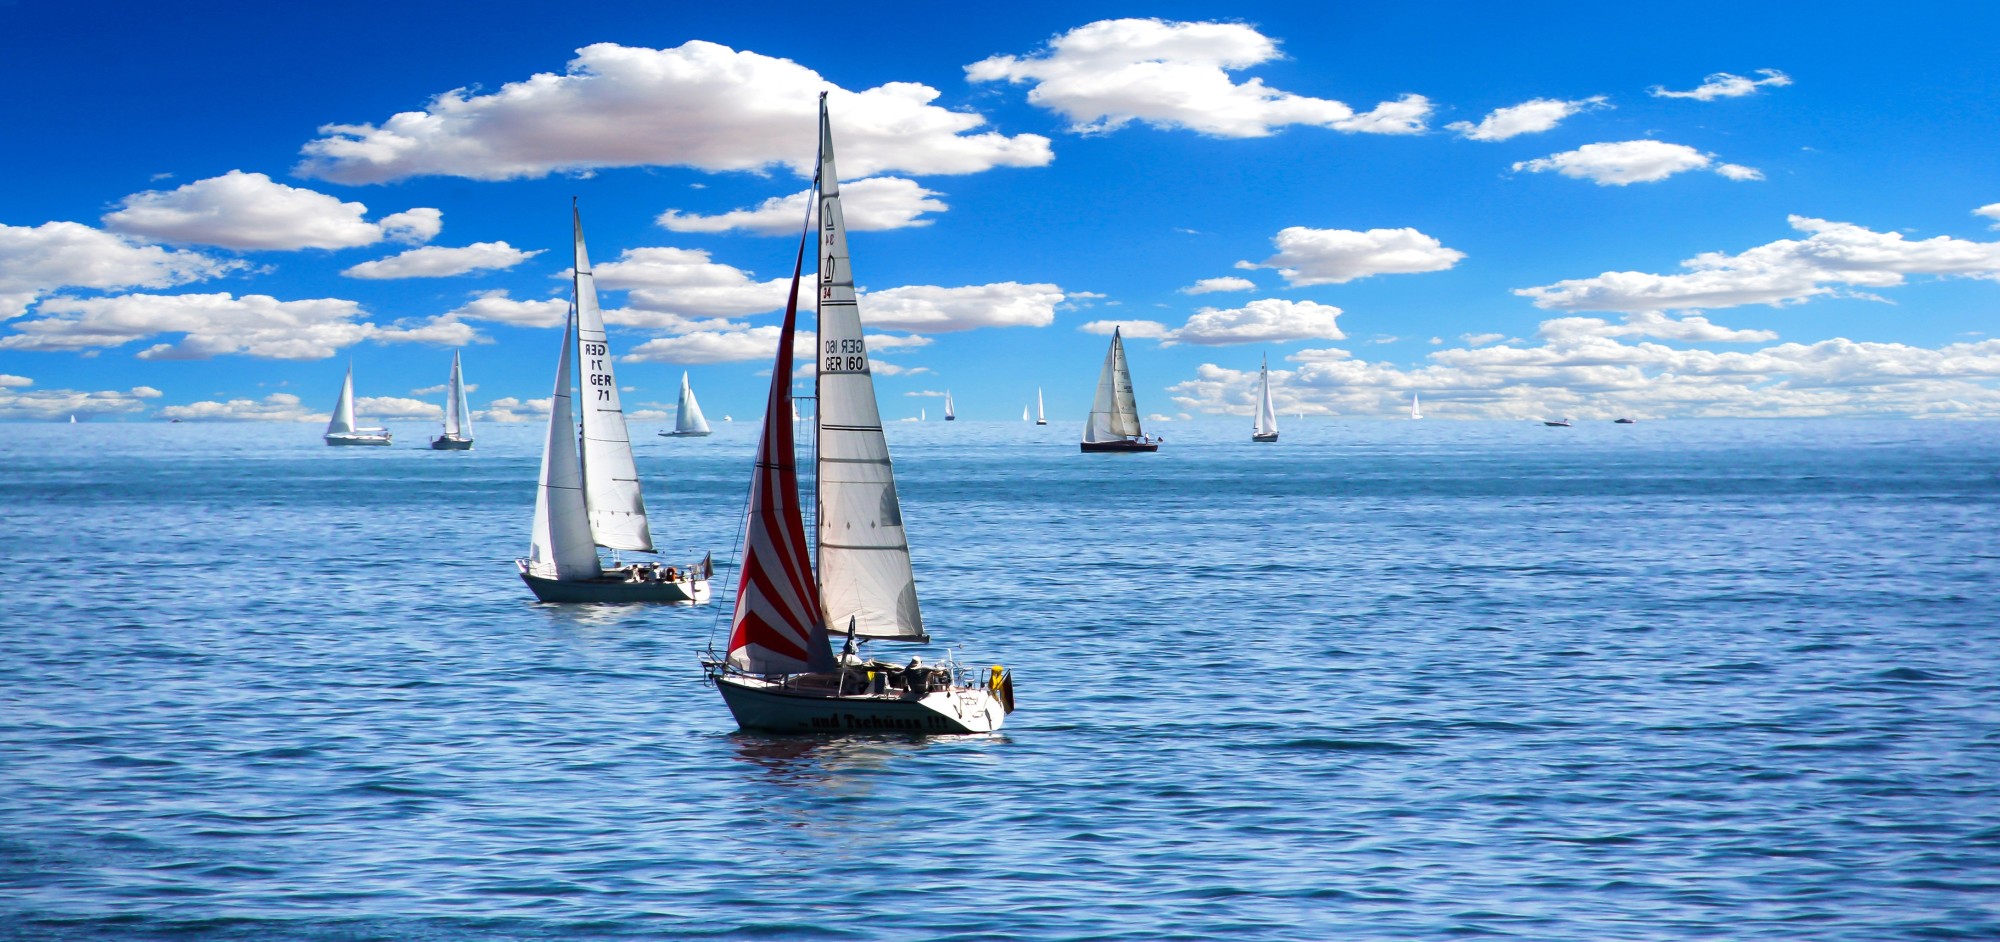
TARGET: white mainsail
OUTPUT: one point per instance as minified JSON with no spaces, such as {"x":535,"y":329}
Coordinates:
{"x":1114,"y":414}
{"x":1267,"y":417}
{"x":1024,"y":414}
{"x":561,"y":546}
{"x":457,"y":417}
{"x":688,"y":420}
{"x":610,"y":479}
{"x":864,"y":557}
{"x":1041,"y":417}
{"x":948,"y":413}
{"x":1413,"y":407}
{"x":342,"y":422}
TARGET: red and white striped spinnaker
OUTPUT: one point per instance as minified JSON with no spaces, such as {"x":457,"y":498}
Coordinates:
{"x":777,"y":627}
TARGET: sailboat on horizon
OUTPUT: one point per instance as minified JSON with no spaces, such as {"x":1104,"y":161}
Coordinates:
{"x":1415,"y":413}
{"x":949,"y":414}
{"x":1041,"y":417}
{"x":341,"y":430}
{"x":1113,"y":425}
{"x":589,"y":494}
{"x":779,"y":672}
{"x":457,"y":417}
{"x":1265,"y":428}
{"x":688,"y":420}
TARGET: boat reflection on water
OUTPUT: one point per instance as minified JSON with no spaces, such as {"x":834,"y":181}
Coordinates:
{"x":822,"y":760}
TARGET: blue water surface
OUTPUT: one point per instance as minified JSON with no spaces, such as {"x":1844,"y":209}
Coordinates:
{"x":1381,"y":680}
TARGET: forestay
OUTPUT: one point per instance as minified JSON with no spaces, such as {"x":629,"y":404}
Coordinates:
{"x":1114,"y":413}
{"x":561,"y":546}
{"x":611,"y":480}
{"x":864,"y":557}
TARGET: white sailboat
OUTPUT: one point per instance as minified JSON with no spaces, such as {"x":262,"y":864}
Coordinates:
{"x":590,"y":494}
{"x":1415,"y":413}
{"x":457,"y":417}
{"x":688,"y":421}
{"x":341,"y":430}
{"x":779,"y":671}
{"x":1041,"y":416}
{"x":1024,"y":414}
{"x":1265,"y":429}
{"x":949,"y":415}
{"x":1114,"y":415}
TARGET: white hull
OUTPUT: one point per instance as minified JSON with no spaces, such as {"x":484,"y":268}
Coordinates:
{"x":357,"y":438}
{"x":613,"y":586}
{"x":686,"y":434}
{"x":796,"y":706}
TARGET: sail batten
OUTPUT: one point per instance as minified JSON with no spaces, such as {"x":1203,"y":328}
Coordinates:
{"x":610,"y":477}
{"x":865,"y":578}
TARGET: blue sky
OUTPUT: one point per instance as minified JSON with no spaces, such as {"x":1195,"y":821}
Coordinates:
{"x":212,"y":208}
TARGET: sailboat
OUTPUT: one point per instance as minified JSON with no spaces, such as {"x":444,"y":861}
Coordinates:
{"x":923,"y":415}
{"x":1041,"y":417}
{"x":1266,"y":427}
{"x":779,"y":672}
{"x":1024,"y":414}
{"x":1114,"y":414}
{"x":949,"y":415}
{"x":589,"y":495}
{"x":1415,"y":413}
{"x":340,"y":430}
{"x":688,"y":421}
{"x":457,"y":418}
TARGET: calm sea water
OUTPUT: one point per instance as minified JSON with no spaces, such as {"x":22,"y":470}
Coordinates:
{"x":1383,"y":680}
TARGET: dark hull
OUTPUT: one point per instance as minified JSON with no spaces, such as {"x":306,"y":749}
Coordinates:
{"x":1121,"y":446}
{"x":613,"y":590}
{"x":1272,"y":437}
{"x":451,"y":444}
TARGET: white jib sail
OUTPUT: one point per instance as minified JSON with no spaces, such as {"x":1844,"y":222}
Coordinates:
{"x":1267,"y":417}
{"x":610,"y":479}
{"x":1114,"y":413}
{"x":457,"y":418}
{"x":948,"y":413}
{"x":1041,"y":417}
{"x":560,"y":547}
{"x":688,"y":416}
{"x":343,"y":410}
{"x":864,"y":557}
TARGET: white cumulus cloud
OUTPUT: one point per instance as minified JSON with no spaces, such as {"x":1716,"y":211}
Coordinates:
{"x":1627,"y":162}
{"x":437,"y":261}
{"x":700,"y":105}
{"x":1140,"y":329}
{"x":1691,"y":328}
{"x":1212,"y":285}
{"x":875,"y":203}
{"x":496,"y":306}
{"x":1337,"y":256}
{"x":1834,"y":256}
{"x":1725,"y":85}
{"x":1990,"y":211}
{"x":936,"y":310}
{"x":1110,"y":73}
{"x":751,"y":343}
{"x":35,"y":260}
{"x":251,"y":211}
{"x":218,"y":324}
{"x":1269,"y":320}
{"x":54,"y":404}
{"x":688,"y":283}
{"x":1529,"y":117}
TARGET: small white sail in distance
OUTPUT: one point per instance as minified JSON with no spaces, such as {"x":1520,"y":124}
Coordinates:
{"x":1415,"y":413}
{"x":1041,"y":415}
{"x":457,"y":415}
{"x":1267,"y":417}
{"x":689,"y":420}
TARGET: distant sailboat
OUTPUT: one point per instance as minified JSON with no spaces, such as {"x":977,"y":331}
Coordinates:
{"x":457,"y":418}
{"x":1024,"y":414}
{"x":923,"y":415}
{"x":1266,"y":427}
{"x":1415,"y":413}
{"x":1557,"y":423}
{"x":949,"y":415}
{"x":1041,"y":417}
{"x":590,"y":494}
{"x":1114,"y":415}
{"x":779,"y":672}
{"x":1622,"y":422}
{"x":72,"y":418}
{"x":688,"y":421}
{"x":341,"y":430}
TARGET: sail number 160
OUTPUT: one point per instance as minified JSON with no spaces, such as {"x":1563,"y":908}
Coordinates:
{"x":845,"y":356}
